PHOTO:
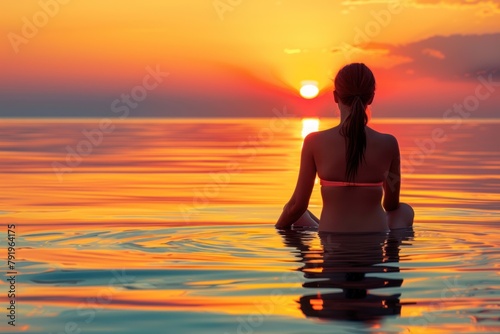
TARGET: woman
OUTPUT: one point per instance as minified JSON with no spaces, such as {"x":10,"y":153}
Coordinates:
{"x":356,"y":166}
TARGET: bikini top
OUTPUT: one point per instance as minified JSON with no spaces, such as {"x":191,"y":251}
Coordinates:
{"x":327,"y":183}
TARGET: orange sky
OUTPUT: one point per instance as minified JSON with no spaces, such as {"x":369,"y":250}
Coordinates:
{"x":242,"y":57}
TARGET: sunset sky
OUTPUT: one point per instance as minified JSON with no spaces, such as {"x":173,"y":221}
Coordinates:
{"x":78,"y":58}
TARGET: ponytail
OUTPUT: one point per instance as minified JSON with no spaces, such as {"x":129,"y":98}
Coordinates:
{"x":353,"y":130}
{"x":355,"y":88}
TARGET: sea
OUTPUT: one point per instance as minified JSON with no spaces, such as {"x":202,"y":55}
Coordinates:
{"x":167,"y":226}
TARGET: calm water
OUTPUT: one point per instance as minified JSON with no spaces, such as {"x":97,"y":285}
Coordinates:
{"x":166,"y":227}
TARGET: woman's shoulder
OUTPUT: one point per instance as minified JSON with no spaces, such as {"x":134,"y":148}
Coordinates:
{"x":318,"y":139}
{"x":386,"y":139}
{"x":316,"y":135}
{"x":381,"y":135}
{"x":326,"y":133}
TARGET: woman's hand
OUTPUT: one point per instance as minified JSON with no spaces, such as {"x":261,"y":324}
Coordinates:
{"x":306,"y":221}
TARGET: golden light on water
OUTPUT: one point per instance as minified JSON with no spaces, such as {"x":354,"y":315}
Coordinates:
{"x":309,"y":125}
{"x":309,"y":89}
{"x":177,"y":206}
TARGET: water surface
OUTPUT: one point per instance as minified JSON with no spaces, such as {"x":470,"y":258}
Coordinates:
{"x":166,"y":227}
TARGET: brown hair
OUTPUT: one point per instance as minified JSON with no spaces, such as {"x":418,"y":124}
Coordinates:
{"x":355,"y":87}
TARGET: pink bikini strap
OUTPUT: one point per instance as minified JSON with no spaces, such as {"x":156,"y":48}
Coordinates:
{"x":349,"y":184}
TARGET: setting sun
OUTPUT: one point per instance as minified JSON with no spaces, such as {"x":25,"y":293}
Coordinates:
{"x":309,"y":89}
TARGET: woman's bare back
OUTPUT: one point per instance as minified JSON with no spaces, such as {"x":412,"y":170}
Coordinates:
{"x":353,"y":208}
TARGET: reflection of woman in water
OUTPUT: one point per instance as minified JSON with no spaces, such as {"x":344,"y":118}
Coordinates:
{"x":356,"y":166}
{"x":354,"y":265}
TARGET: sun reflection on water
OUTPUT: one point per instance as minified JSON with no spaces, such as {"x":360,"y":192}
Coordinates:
{"x":309,"y":125}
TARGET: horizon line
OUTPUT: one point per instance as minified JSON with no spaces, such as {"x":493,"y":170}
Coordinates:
{"x":215,"y":118}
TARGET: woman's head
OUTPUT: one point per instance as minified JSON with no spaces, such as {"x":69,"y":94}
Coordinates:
{"x":354,"y":81}
{"x":355,"y":88}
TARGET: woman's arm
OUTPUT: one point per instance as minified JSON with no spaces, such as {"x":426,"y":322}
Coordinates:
{"x":392,"y":183}
{"x":299,"y":202}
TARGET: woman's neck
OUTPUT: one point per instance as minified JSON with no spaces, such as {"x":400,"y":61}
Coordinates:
{"x":344,"y":112}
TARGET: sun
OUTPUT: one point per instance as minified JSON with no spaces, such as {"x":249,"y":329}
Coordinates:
{"x":309,"y":89}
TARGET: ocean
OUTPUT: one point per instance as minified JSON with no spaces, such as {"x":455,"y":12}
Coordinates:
{"x":166,"y":226}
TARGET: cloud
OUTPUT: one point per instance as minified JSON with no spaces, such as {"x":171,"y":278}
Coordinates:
{"x":292,"y":51}
{"x":433,"y":53}
{"x":451,"y":57}
{"x":482,"y":7}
